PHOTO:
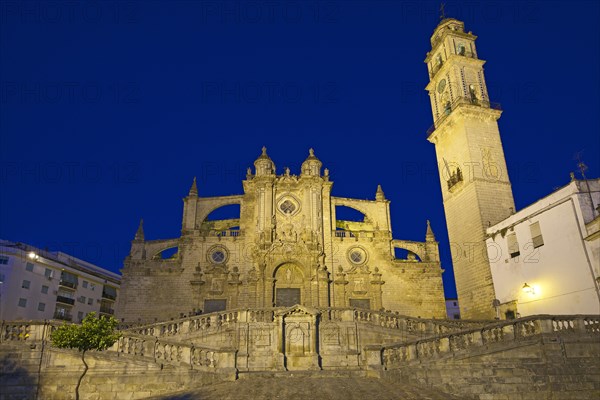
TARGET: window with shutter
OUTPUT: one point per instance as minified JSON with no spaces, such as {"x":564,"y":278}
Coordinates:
{"x":513,"y":245}
{"x":536,"y":235}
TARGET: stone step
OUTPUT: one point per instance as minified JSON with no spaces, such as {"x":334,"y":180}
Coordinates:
{"x":255,"y":386}
{"x":338,"y":373}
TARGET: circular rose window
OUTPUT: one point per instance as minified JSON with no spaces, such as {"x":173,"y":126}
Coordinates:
{"x":217,"y":255}
{"x":357,"y":255}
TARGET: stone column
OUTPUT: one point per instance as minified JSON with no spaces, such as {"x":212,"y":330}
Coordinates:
{"x":376,"y":290}
{"x":268,"y":292}
{"x":313,"y":332}
{"x":340,"y":283}
{"x":323,"y":287}
{"x":280,"y":363}
{"x":234,"y":288}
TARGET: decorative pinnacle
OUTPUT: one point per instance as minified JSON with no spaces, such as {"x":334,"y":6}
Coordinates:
{"x":263,"y":155}
{"x":429,"y":236}
{"x":311,"y":152}
{"x":194,"y":188}
{"x":379,"y":195}
{"x":139,"y":234}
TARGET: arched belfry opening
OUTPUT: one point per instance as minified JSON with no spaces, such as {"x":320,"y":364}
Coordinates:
{"x":288,"y":285}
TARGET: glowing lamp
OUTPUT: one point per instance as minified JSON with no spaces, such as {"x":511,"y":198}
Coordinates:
{"x":527,"y":289}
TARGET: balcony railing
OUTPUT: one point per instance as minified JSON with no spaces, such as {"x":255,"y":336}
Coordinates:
{"x":68,"y":284}
{"x":455,"y":178}
{"x":353,"y":234}
{"x":343,"y":234}
{"x":106,"y":310}
{"x":467,"y":54}
{"x":63,"y":316}
{"x":462,"y":100}
{"x":224,"y":233}
{"x":65,"y":300}
{"x":108,"y":296}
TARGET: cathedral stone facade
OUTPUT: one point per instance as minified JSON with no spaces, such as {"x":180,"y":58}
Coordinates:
{"x":287,"y":247}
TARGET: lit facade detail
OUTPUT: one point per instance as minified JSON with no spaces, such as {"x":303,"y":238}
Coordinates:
{"x":285,"y":247}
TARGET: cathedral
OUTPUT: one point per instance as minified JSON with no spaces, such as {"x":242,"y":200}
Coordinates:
{"x":286,"y":247}
{"x":289,"y":283}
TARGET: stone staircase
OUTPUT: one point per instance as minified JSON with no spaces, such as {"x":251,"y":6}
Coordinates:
{"x":324,"y":353}
{"x":537,"y":357}
{"x":297,"y":337}
{"x":322,"y":385}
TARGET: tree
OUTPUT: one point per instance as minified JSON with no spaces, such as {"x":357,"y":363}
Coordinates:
{"x":94,"y":333}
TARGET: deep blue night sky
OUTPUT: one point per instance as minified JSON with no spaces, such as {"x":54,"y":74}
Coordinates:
{"x":109,"y":109}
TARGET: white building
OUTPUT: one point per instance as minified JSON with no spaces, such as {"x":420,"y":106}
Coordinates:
{"x":452,"y":309}
{"x":38,"y":285}
{"x":545,"y":259}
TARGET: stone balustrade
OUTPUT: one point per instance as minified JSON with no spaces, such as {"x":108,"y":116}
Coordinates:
{"x":176,"y":353}
{"x":342,"y":234}
{"x":160,"y":350}
{"x":416,"y":326}
{"x":392,"y":356}
{"x":166,"y":343}
{"x":31,"y":331}
{"x":222,"y":233}
{"x":384,"y":319}
{"x":39,"y":330}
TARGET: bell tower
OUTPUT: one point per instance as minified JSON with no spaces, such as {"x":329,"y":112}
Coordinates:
{"x":476,"y":189}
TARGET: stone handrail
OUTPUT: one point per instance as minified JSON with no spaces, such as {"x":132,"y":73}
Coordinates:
{"x":384,"y":319}
{"x":30,"y":331}
{"x":353,"y":234}
{"x":418,"y":326}
{"x":449,"y":108}
{"x":202,"y":322}
{"x":162,"y":351}
{"x":222,"y":233}
{"x":394,"y":355}
{"x":176,"y":353}
{"x":38,"y":330}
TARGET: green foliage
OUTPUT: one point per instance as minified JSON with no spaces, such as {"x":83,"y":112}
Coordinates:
{"x":93,"y":334}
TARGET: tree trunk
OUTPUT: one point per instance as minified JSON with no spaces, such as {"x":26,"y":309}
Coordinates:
{"x":82,"y":375}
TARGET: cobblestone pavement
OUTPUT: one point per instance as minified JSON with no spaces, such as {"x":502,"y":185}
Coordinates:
{"x":346,"y":388}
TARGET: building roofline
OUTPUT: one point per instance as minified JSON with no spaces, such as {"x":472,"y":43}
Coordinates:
{"x":522,"y":213}
{"x":66,"y":260}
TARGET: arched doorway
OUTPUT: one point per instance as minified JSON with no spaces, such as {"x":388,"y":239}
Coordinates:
{"x":288,"y":285}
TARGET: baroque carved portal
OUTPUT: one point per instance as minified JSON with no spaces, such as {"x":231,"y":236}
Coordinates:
{"x":288,"y":285}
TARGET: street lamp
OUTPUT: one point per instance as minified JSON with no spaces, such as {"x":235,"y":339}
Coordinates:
{"x":528,"y":289}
